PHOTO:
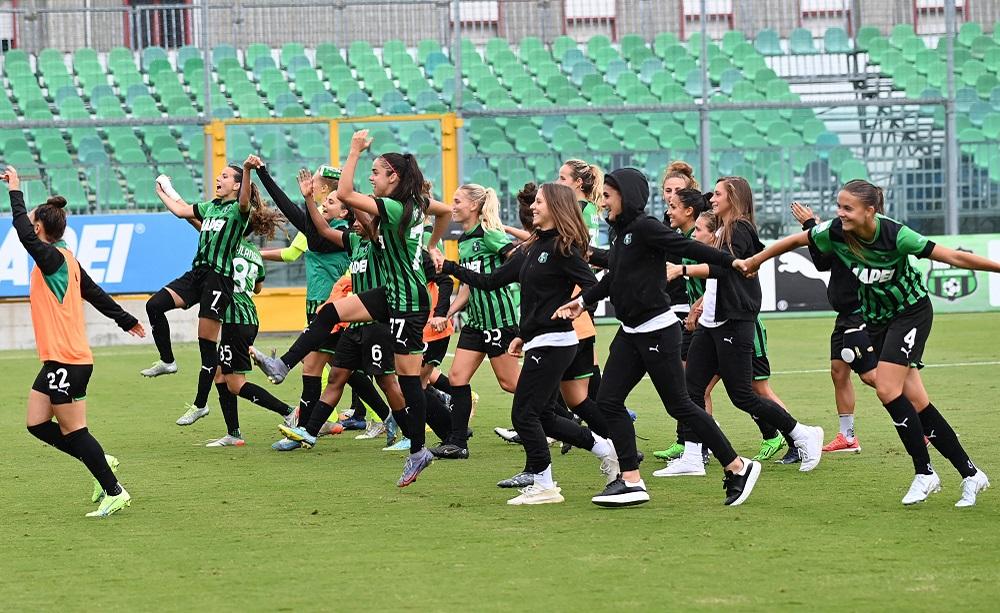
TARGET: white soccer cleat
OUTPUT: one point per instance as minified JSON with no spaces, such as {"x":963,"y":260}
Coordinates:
{"x":810,"y":448}
{"x":192,"y":415}
{"x":374,"y":429}
{"x":685,"y":466}
{"x":227,"y":441}
{"x":535,"y":494}
{"x":922,"y":487}
{"x":971,"y":486}
{"x":159,"y":368}
{"x":609,"y":465}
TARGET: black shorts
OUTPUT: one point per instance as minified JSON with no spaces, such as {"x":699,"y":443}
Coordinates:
{"x":366,"y":348}
{"x":494,"y":343}
{"x":582,"y":366}
{"x":761,"y":365}
{"x":436,"y":350}
{"x":407,"y":329}
{"x":205,"y":287}
{"x":865,"y":357}
{"x":902,"y":339}
{"x":234,"y":348}
{"x":330,"y":344}
{"x":63,"y":383}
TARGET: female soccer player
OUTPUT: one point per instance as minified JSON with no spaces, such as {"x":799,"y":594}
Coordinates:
{"x":849,"y":331}
{"x":209,"y":283}
{"x":402,"y":303}
{"x":549,"y":265}
{"x":59,"y":285}
{"x":723,"y":344}
{"x":649,"y":338}
{"x":491,"y":316}
{"x":898,"y":314}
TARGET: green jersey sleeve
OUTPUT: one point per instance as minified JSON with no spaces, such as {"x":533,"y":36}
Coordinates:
{"x":495,"y":241}
{"x":199,"y":210}
{"x":390,"y":210}
{"x":911,"y":242}
{"x":820,"y":237}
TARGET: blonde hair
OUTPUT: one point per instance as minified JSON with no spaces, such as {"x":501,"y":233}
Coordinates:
{"x":680,"y":170}
{"x":489,"y":205}
{"x":567,"y":218}
{"x":592,"y":180}
{"x":740,"y":198}
{"x":711,"y":221}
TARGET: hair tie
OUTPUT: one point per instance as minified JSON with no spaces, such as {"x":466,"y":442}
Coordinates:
{"x":386,"y":160}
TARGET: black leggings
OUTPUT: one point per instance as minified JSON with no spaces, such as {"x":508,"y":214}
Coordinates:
{"x":659,"y":354}
{"x":728,"y":351}
{"x":532,"y":412}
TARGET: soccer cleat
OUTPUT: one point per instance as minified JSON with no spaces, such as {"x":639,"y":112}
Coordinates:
{"x":391,"y":431}
{"x":922,"y":487}
{"x":791,"y":457}
{"x":519,"y":480}
{"x":192,"y":415}
{"x":273,"y":367}
{"x":535,"y":494}
{"x":971,"y":486}
{"x":739,"y":487}
{"x":449,"y":451}
{"x":227,"y":441}
{"x":98,"y":494}
{"x":299,"y":434}
{"x":158,"y":368}
{"x":286,"y":444}
{"x":508,"y":435}
{"x":670,"y":453}
{"x":685,"y":466}
{"x":609,"y":465}
{"x":841,"y":444}
{"x":769,"y":448}
{"x":810,"y":448}
{"x":292,"y":419}
{"x":112,"y":504}
{"x":403,"y":444}
{"x":618,"y":493}
{"x":375,"y":429}
{"x":632,"y":414}
{"x":414,"y":465}
{"x":354,"y":424}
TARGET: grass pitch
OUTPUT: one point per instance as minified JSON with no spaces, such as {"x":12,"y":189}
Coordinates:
{"x":252,"y":529}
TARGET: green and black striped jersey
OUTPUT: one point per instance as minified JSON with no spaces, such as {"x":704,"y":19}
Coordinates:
{"x":248,"y":269}
{"x":405,"y":282}
{"x":222,"y":226}
{"x":324,"y":269}
{"x":888,"y":283}
{"x":483,"y":251}
{"x":695,"y":286}
{"x":366,"y":271}
{"x":591,"y":219}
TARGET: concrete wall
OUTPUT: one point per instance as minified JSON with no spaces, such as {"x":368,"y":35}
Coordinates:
{"x":17,"y":333}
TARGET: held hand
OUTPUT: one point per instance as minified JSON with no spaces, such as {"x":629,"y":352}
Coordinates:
{"x":516,"y":347}
{"x":438,"y":323}
{"x":673,"y":271}
{"x":360,"y":141}
{"x":10,"y":176}
{"x":802,"y":213}
{"x":748,"y":266}
{"x":691,"y":321}
{"x":253,"y":162}
{"x":305,"y":183}
{"x":138,"y":331}
{"x":437,"y":257}
{"x":570,"y":310}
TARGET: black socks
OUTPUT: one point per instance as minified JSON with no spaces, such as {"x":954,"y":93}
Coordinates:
{"x":313,"y":337}
{"x":209,"y":362}
{"x":263,"y":398}
{"x":82,"y":444}
{"x":50,"y":433}
{"x":321,"y":412}
{"x":443,"y":384}
{"x":416,"y":410}
{"x":227,"y":402}
{"x":156,"y":307}
{"x":909,"y":429}
{"x":438,"y":415}
{"x":943,"y":437}
{"x":461,"y":411}
{"x":369,"y":395}
{"x":311,"y":389}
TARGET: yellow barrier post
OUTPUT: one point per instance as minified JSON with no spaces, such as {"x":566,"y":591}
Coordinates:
{"x":217,"y":131}
{"x":335,"y":143}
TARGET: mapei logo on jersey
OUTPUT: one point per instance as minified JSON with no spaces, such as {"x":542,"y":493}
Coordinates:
{"x":945,"y":281}
{"x":359,"y":267}
{"x":543,"y":257}
{"x":101,"y":249}
{"x":873,"y":276}
{"x":475,"y":265}
{"x":628,"y":239}
{"x":213,"y":225}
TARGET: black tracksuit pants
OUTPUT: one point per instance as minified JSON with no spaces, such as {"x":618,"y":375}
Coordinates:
{"x":728,"y":351}
{"x":532,"y":414}
{"x":659,"y":354}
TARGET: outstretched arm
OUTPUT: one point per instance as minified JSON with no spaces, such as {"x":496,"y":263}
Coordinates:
{"x":963,"y":259}
{"x":106,"y":305}
{"x":46,"y":257}
{"x":345,"y":189}
{"x":505,"y":275}
{"x":289,"y":209}
{"x":334,"y":235}
{"x":518,"y":233}
{"x":173,"y":201}
{"x":750,"y":265}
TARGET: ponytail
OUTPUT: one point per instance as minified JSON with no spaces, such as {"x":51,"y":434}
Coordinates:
{"x":52,"y":216}
{"x":489,"y":205}
{"x":591,"y":180}
{"x":525,"y":198}
{"x":409,"y":189}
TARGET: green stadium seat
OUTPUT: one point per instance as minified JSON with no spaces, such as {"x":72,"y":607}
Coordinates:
{"x":835,"y":40}
{"x":968,"y":32}
{"x":768,"y":43}
{"x":800,"y":42}
{"x":852,"y":169}
{"x":900,"y":33}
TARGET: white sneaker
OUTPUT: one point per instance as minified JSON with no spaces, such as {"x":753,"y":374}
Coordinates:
{"x":158,"y":368}
{"x":535,"y":494}
{"x":810,"y":447}
{"x":609,"y":465}
{"x":685,"y":466}
{"x":971,"y":486}
{"x":192,"y":415}
{"x":922,"y":487}
{"x":292,"y":419}
{"x":227,"y":441}
{"x":375,"y":429}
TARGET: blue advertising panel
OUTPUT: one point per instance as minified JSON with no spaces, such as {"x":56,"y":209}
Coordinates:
{"x":125,"y":254}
